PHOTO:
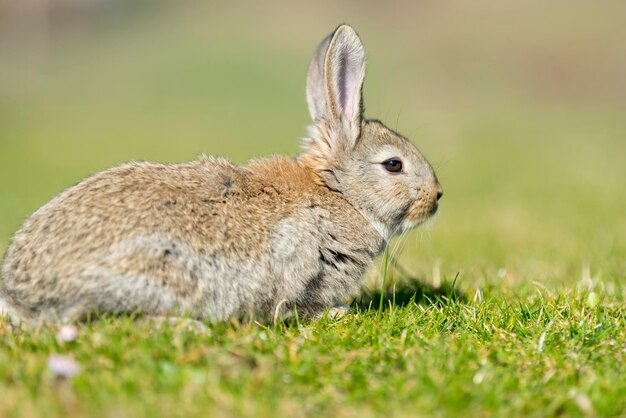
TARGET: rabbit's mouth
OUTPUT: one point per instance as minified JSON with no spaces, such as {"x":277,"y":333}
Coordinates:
{"x":419,"y":213}
{"x":434,"y":209}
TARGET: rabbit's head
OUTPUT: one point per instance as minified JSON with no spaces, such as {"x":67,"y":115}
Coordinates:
{"x":378,"y":171}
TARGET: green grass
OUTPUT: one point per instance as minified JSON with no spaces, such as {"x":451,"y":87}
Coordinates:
{"x":511,"y":303}
{"x":540,"y":355}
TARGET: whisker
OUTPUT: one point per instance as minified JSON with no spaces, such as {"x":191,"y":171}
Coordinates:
{"x":398,"y":118}
{"x":398,"y":249}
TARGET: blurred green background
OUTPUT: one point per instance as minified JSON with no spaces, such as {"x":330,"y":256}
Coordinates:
{"x":519,"y":106}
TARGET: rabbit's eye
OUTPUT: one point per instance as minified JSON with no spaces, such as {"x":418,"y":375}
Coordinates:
{"x":393,"y":165}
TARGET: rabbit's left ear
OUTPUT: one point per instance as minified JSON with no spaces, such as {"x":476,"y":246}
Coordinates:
{"x":335,"y":81}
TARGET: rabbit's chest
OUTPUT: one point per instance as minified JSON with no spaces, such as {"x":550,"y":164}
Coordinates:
{"x":316,"y":259}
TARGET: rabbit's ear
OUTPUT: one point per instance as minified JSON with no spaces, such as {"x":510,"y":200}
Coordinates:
{"x":315,"y":88}
{"x":335,"y":81}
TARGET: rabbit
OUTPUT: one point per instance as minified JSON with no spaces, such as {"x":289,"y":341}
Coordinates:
{"x":213,"y":241}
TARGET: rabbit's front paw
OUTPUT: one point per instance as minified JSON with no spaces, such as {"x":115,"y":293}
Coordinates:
{"x":335,"y":312}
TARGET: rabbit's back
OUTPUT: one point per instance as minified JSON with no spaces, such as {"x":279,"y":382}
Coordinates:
{"x":206,"y":238}
{"x":139,"y":237}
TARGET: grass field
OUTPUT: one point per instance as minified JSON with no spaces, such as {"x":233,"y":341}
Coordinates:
{"x":511,"y":303}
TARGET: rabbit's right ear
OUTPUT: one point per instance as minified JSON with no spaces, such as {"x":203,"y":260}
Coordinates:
{"x":334,"y":84}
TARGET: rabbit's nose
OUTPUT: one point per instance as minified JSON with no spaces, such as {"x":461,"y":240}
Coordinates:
{"x":439,"y":190}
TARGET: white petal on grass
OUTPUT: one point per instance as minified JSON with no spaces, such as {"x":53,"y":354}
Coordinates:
{"x":62,"y":366}
{"x":479,"y":377}
{"x":67,"y":333}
